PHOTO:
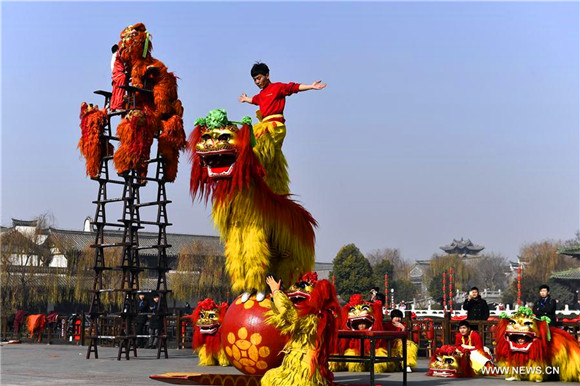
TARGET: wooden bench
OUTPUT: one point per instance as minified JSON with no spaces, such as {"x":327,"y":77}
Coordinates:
{"x":371,"y":358}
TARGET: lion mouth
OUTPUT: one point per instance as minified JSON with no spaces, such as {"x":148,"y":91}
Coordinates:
{"x":360,"y":323}
{"x":220,"y":163}
{"x":209,"y":329}
{"x":520,"y":341}
{"x":298,"y":296}
{"x":445,"y":373}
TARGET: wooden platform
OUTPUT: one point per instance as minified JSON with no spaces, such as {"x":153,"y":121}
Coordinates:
{"x":208,"y":379}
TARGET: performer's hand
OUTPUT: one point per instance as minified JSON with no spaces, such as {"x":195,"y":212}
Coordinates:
{"x":244,"y":98}
{"x":273,"y":284}
{"x":318,"y":85}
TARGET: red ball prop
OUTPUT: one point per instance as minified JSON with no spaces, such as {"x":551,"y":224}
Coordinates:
{"x":250,"y":344}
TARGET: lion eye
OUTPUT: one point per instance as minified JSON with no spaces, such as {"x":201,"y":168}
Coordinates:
{"x":512,"y":321}
{"x":365,"y":308}
{"x":205,"y":137}
{"x":224,"y":137}
{"x":448,"y":360}
{"x":528,"y":323}
{"x":352,"y":309}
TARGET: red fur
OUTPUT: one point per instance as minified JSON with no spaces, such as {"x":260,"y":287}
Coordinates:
{"x":354,"y":300}
{"x":171,"y":142}
{"x":212,"y":342}
{"x":93,"y":121}
{"x":324,"y":303}
{"x":136,"y":133}
{"x":465,"y":370}
{"x":538,"y":352}
{"x":248,"y":172}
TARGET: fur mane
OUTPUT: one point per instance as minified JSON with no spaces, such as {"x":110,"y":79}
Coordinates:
{"x":212,"y":342}
{"x":539,"y":352}
{"x":323,"y":303}
{"x":248,"y":174}
{"x":355,"y":300}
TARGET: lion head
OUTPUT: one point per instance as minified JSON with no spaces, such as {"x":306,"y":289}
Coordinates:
{"x":135,"y":43}
{"x":359,"y":314}
{"x":207,"y":318}
{"x":522,"y":337}
{"x":448,"y":362}
{"x":303,"y":288}
{"x":222,"y":158}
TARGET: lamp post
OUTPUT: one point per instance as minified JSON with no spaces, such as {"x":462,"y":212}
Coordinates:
{"x":386,"y":289}
{"x":444,"y":291}
{"x":451,"y":290}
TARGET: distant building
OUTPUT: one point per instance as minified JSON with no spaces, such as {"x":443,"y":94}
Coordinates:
{"x":464,"y":248}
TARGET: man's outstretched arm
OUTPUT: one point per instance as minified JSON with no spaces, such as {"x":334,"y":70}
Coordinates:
{"x":318,"y":85}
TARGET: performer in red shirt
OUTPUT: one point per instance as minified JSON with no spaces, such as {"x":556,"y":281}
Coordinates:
{"x":119,"y":78}
{"x":396,"y":324}
{"x":271,"y":130}
{"x":467,"y":340}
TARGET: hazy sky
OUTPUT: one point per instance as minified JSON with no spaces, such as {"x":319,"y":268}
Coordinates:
{"x":440,"y":120}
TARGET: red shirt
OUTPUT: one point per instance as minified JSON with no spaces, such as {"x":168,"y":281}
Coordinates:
{"x":473,"y":339}
{"x":389,"y":326}
{"x":272,"y":99}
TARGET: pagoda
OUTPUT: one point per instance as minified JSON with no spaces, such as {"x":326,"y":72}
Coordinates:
{"x":464,"y":248}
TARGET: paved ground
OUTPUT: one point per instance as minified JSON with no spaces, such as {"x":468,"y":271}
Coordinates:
{"x":40,"y":364}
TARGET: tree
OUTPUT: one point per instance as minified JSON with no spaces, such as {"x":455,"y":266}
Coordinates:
{"x":490,"y":272}
{"x":200,"y":274}
{"x":436,"y":288}
{"x":401,"y":268}
{"x":463,"y":274}
{"x":352,"y":272}
{"x":380,"y":269}
{"x":405,"y":290}
{"x":27,"y":280}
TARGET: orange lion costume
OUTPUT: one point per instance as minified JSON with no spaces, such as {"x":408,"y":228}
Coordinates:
{"x":159,"y":112}
{"x":35,"y":325}
{"x":93,"y":122}
{"x":207,"y":319}
{"x":529,"y":350}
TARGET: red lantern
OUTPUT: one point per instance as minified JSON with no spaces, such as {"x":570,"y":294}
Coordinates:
{"x":430,"y":331}
{"x":444,"y":291}
{"x":386,"y":290}
{"x":416,"y":330}
{"x":251,"y":345}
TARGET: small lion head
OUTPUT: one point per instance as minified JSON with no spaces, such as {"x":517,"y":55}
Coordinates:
{"x":447,"y":362}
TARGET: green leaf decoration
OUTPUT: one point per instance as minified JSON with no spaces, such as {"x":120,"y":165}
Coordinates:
{"x":199,"y":122}
{"x":217,"y":118}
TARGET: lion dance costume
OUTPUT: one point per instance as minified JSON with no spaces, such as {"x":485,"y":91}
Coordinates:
{"x":263,"y":232}
{"x":448,"y":362}
{"x":310,"y":315}
{"x":524,"y":341}
{"x":157,"y":113}
{"x":207,"y":319}
{"x":92,"y":148}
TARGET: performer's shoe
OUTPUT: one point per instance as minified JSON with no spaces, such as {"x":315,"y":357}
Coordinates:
{"x":260,"y":296}
{"x":409,"y":369}
{"x":510,"y":379}
{"x":246,"y":296}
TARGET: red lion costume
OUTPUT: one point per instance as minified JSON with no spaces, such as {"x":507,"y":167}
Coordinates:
{"x":35,"y":325}
{"x":207,"y":319}
{"x":448,"y":362}
{"x":526,"y":342}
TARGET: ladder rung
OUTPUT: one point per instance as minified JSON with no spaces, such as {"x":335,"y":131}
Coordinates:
{"x":109,"y":245}
{"x":110,"y":137}
{"x":150,"y":179}
{"x":133,"y":89}
{"x":115,"y":113}
{"x":107,"y":157}
{"x":102,"y":268}
{"x":108,"y":200}
{"x":154,"y":246}
{"x":154,"y":159}
{"x":153,"y":203}
{"x":109,"y":181}
{"x":108,"y":224}
{"x":155,"y":223}
{"x":121,"y":268}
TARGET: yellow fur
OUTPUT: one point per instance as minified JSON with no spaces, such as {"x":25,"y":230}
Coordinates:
{"x":397,"y":350}
{"x":206,"y":359}
{"x":295,"y":369}
{"x":269,"y":139}
{"x":252,"y":241}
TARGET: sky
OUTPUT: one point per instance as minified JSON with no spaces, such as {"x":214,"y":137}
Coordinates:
{"x":441,"y":120}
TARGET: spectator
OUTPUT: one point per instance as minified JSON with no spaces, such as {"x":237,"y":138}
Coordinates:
{"x":545,"y":305}
{"x":376,"y":295}
{"x":154,"y":322}
{"x":476,"y":307}
{"x":141,"y":319}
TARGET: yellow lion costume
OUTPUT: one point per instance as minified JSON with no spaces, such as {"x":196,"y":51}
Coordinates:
{"x":263,"y":232}
{"x":529,"y":350}
{"x":207,"y":319}
{"x":310,"y":316}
